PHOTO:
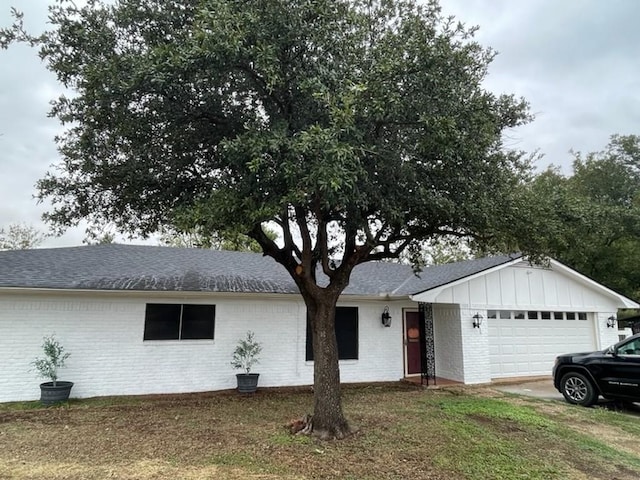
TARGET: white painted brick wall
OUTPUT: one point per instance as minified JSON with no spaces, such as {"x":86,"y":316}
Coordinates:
{"x":104,"y":333}
{"x":462,"y":351}
{"x":476,"y":360}
{"x":448,"y":342}
{"x":605,"y":336}
{"x":380,"y":350}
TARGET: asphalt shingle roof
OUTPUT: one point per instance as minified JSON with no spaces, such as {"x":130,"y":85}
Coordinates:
{"x":150,"y":268}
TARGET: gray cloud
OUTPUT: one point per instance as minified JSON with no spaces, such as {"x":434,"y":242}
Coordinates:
{"x":575,"y":61}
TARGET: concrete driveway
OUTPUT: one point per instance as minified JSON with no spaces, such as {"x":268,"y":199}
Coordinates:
{"x":540,"y":388}
{"x":544,"y":389}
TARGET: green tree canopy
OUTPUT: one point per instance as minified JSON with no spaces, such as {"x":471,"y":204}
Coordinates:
{"x":360,"y":128}
{"x":596,"y":212}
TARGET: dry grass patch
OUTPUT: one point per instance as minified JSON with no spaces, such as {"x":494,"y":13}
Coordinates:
{"x":143,"y":470}
{"x":404,"y":432}
{"x":613,"y":427}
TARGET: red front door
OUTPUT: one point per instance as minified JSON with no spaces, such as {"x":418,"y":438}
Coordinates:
{"x":412,"y":342}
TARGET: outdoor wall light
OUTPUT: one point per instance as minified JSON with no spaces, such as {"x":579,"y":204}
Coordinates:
{"x":477,"y":320}
{"x":611,"y":322}
{"x":386,"y":317}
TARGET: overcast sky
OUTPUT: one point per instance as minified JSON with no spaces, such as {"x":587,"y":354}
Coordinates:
{"x":576,"y":61}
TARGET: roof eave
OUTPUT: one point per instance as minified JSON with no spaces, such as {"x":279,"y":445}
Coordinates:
{"x":430,"y":295}
{"x":345,"y":297}
{"x":624,"y":302}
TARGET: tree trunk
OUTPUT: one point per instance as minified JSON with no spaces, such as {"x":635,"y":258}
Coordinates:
{"x":328,"y":419}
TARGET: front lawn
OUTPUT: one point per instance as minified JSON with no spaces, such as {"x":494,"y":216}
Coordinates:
{"x":404,"y":433}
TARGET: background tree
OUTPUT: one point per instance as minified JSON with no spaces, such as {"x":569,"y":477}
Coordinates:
{"x":196,"y":237}
{"x":437,"y":251}
{"x":359,"y":128}
{"x":20,"y":236}
{"x":99,"y":239}
{"x":100,"y":234}
{"x":596,"y":212}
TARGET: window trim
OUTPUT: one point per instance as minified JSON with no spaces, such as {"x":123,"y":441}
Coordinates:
{"x":180,"y":338}
{"x":308,"y":355}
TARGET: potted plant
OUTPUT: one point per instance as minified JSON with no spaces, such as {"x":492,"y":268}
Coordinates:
{"x":54,"y":391}
{"x":245,"y":356}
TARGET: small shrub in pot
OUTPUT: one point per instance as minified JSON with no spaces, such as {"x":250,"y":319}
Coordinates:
{"x":245,"y":356}
{"x":53,"y":391}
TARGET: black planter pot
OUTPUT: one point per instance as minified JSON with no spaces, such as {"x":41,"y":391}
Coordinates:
{"x":247,"y":382}
{"x":50,"y":395}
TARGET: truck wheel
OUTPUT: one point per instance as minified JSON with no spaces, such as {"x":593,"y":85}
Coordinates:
{"x":578,"y":389}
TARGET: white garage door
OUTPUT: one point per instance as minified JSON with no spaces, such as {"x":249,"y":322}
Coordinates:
{"x":526,"y":343}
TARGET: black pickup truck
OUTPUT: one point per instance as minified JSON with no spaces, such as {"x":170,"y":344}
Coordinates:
{"x":613,"y":373}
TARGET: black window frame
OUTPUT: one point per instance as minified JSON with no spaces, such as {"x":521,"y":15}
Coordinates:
{"x":183,"y":322}
{"x":347,"y":327}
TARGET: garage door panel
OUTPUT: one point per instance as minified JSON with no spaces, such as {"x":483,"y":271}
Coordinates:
{"x":505,"y":349}
{"x":523,"y":347}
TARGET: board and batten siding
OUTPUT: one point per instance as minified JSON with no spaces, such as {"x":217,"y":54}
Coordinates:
{"x":522,"y":285}
{"x":104,"y":334}
{"x":464,"y":353}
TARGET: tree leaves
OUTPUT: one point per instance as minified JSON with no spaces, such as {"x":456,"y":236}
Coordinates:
{"x":596,"y":214}
{"x":366,"y":119}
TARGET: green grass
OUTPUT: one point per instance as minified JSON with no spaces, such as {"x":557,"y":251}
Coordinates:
{"x":18,"y":406}
{"x":404,"y":432}
{"x":502,"y":439}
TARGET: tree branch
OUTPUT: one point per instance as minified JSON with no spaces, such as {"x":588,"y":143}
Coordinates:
{"x":307,"y":249}
{"x":289,"y":243}
{"x":323,"y":247}
{"x":270,"y":248}
{"x":263,"y":85}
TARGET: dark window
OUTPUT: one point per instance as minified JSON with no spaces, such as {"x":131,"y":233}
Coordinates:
{"x":162,"y":322}
{"x":558,"y":315}
{"x":532,"y":315}
{"x":197,"y":321}
{"x":346,"y":334}
{"x":571,"y":316}
{"x":546,"y":315}
{"x":170,"y":321}
{"x":582,"y":316}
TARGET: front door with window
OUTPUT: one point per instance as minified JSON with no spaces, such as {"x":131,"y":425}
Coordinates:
{"x":412,"y":343}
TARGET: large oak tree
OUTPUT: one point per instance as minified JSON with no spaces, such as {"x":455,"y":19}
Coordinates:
{"x":360,"y":128}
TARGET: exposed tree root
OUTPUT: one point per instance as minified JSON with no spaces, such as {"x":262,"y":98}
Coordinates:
{"x":301,"y":426}
{"x":304,"y":426}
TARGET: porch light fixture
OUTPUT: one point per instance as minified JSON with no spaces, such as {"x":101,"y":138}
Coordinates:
{"x":386,"y":318}
{"x":611,"y":322}
{"x":477,"y":320}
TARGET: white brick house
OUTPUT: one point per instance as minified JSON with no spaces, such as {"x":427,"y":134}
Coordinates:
{"x":140,"y":319}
